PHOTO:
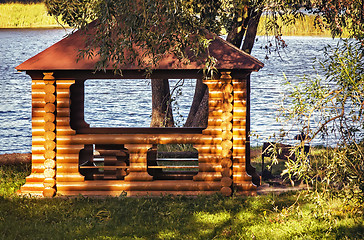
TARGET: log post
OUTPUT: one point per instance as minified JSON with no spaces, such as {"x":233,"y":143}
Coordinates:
{"x":49,"y":181}
{"x":138,"y":162}
{"x":209,"y":152}
{"x":226,"y":128}
{"x":242,"y":181}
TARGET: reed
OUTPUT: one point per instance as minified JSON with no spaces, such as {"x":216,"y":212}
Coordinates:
{"x":18,"y":15}
{"x":304,"y":26}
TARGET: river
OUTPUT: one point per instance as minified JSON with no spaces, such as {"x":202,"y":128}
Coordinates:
{"x":130,"y":105}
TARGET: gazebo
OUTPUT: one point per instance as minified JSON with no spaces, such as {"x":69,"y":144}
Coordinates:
{"x":65,"y":149}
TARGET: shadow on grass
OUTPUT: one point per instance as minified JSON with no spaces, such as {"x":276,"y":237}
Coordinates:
{"x":202,"y":217}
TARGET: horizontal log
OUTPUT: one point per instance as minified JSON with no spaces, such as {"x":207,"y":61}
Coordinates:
{"x":62,"y":83}
{"x":213,"y":131}
{"x":157,"y":185}
{"x":32,"y":188}
{"x":64,"y":131}
{"x":239,"y":112}
{"x":63,"y":112}
{"x":138,"y":176}
{"x":245,"y":186}
{"x":240,"y":104}
{"x":38,"y":93}
{"x":239,"y":167}
{"x":63,"y":102}
{"x":239,"y":150}
{"x":216,"y":94}
{"x":38,"y":84}
{"x":241,"y":177}
{"x":38,"y":103}
{"x":238,"y":121}
{"x":214,"y":122}
{"x":63,"y":93}
{"x":69,"y":149}
{"x":63,"y":121}
{"x":35,"y":177}
{"x":209,"y":167}
{"x":69,"y":177}
{"x":135,"y":193}
{"x":38,"y":149}
{"x":67,"y":168}
{"x":239,"y":158}
{"x":135,"y":139}
{"x":207,"y":176}
{"x":239,"y":132}
{"x":67,"y":158}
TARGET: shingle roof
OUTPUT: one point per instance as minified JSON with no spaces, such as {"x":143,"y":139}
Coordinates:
{"x":63,"y":55}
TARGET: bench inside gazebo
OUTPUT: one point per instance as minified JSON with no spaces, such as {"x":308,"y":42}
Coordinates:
{"x":66,"y":151}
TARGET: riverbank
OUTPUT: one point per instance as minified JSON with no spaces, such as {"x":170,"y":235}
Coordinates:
{"x":18,"y":15}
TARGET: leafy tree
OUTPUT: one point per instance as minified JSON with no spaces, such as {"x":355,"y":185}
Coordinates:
{"x":333,"y":107}
{"x":161,"y":26}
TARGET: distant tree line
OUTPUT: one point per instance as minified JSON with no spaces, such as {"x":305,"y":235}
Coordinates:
{"x":21,"y":1}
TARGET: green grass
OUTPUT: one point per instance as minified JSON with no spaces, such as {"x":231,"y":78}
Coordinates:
{"x":288,"y":216}
{"x":17,"y":15}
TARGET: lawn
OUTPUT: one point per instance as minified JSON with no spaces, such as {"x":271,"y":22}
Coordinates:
{"x":294,"y":215}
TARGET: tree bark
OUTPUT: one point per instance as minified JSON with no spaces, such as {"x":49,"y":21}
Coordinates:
{"x":162,"y":115}
{"x":200,"y":118}
{"x":200,"y":92}
{"x":251,"y":31}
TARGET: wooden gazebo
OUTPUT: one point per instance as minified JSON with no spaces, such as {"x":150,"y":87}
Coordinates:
{"x":64,"y":146}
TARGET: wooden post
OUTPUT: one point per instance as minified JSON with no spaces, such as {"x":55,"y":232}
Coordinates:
{"x":209,"y":152}
{"x":226,"y":127}
{"x":49,"y":136}
{"x":241,"y":180}
{"x":138,"y":162}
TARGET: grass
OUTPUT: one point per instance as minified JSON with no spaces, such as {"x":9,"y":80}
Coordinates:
{"x":287,"y":216}
{"x":17,"y":15}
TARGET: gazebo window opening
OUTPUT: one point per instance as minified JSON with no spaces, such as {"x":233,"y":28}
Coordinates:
{"x":173,"y":161}
{"x":104,"y":162}
{"x":125,"y":103}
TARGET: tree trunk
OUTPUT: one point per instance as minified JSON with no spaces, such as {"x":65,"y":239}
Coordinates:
{"x":162,"y":115}
{"x":251,"y":31}
{"x":200,"y":92}
{"x":200,"y":116}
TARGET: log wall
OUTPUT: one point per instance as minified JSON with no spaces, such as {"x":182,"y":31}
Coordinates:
{"x":58,"y":112}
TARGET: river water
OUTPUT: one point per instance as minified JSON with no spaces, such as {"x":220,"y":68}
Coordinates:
{"x":129,"y":105}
